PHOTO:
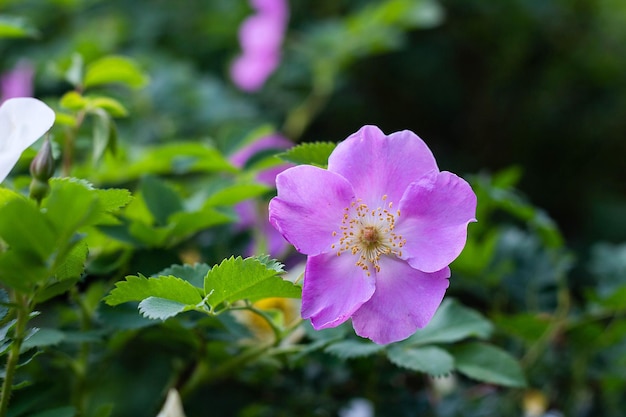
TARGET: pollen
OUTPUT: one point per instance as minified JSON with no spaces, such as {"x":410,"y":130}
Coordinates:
{"x":369,"y":234}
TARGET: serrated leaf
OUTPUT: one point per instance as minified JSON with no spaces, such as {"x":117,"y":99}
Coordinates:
{"x":138,"y":288}
{"x":488,"y":363}
{"x":157,"y":308}
{"x":194,"y":274}
{"x":115,"y":69}
{"x":238,"y":279}
{"x":452,"y":322}
{"x":349,"y":349}
{"x":313,"y":153}
{"x":429,"y":359}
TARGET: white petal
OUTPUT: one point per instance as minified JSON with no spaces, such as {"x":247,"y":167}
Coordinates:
{"x":22,"y":121}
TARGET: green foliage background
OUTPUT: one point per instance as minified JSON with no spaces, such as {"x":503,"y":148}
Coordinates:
{"x":525,"y":98}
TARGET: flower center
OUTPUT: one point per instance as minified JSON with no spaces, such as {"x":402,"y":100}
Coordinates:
{"x":369,"y":234}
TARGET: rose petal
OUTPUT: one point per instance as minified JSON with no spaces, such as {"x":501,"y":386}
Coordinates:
{"x":309,"y":207}
{"x":405,"y":300}
{"x":376,"y":164}
{"x":22,"y":121}
{"x":435,"y":212}
{"x":334,"y":288}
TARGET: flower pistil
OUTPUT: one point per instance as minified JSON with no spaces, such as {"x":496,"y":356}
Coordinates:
{"x":369,"y":233}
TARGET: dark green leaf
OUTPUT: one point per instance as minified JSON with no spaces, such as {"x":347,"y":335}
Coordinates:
{"x":161,"y":199}
{"x":452,"y":322}
{"x":488,"y":363}
{"x":68,"y":411}
{"x":348,"y":349}
{"x":43,"y":337}
{"x":429,"y":359}
{"x":194,"y":274}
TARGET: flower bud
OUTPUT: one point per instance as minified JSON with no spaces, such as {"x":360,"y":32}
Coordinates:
{"x":42,"y":166}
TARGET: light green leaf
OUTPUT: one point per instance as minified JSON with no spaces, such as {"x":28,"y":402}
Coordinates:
{"x":348,"y":349}
{"x":157,"y":308}
{"x":19,"y":217}
{"x":72,"y":100}
{"x":238,"y":279}
{"x":233,"y":194}
{"x":108,"y":104}
{"x":138,"y":288}
{"x":16,"y":27}
{"x":488,"y":363}
{"x":429,"y":359}
{"x":314,"y":153}
{"x":452,"y":322}
{"x":115,"y":69}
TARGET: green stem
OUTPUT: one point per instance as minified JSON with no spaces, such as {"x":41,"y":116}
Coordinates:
{"x":79,"y":394}
{"x":23,"y":313}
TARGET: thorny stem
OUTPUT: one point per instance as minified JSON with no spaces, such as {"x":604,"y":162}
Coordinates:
{"x":23,"y":310}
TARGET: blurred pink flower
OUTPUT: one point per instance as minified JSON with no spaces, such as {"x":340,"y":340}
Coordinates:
{"x":251,"y":214}
{"x":261,"y":36}
{"x":380,"y":227}
{"x":17,"y":82}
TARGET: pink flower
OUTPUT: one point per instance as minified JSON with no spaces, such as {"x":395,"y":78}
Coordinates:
{"x":17,"y":82}
{"x":380,"y":228}
{"x":260,"y":36}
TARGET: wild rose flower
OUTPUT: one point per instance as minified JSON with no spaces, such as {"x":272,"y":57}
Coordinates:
{"x":260,"y":36}
{"x":22,"y":122}
{"x":380,"y":228}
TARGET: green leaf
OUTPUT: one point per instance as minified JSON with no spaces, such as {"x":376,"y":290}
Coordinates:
{"x":429,"y":359}
{"x":16,"y":27}
{"x":138,"y":288}
{"x":193,"y":274}
{"x":113,"y":107}
{"x":4,"y":301}
{"x":238,"y":279}
{"x":25,"y":229}
{"x":73,"y":100}
{"x":161,"y":198}
{"x":233,"y":194}
{"x":452,"y":322}
{"x":115,"y":69}
{"x":488,"y":363}
{"x":157,"y":308}
{"x":74,"y":263}
{"x":43,"y":337}
{"x":104,"y":134}
{"x":314,"y":153}
{"x":349,"y":349}
{"x":527,"y":326}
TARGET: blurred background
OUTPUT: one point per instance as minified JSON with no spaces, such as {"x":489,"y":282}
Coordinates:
{"x":532,"y":83}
